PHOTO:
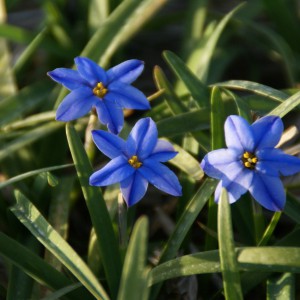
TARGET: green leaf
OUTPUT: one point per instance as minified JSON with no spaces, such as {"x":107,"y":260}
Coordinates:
{"x":270,"y":229}
{"x":125,"y":21}
{"x":29,"y":51}
{"x":63,"y":291}
{"x":185,"y":222}
{"x":31,"y":173}
{"x":35,"y":266}
{"x":199,"y":60}
{"x":254,"y":259}
{"x":23,"y":102}
{"x":282,"y":288}
{"x":228,"y":261}
{"x":184,"y":123}
{"x":7,"y":80}
{"x":217,"y":119}
{"x":197,"y":89}
{"x":96,"y":205}
{"x":28,"y":138}
{"x":133,"y":284}
{"x":256,"y":88}
{"x":26,"y":212}
{"x":287,"y":106}
{"x":174,"y":103}
{"x":187,"y":163}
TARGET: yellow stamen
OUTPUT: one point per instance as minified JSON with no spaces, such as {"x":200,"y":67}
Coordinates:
{"x":134,"y":162}
{"x":100,"y":90}
{"x":249,"y":160}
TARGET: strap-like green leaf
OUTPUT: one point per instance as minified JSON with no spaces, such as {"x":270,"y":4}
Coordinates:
{"x":98,"y":212}
{"x":228,"y":261}
{"x":26,"y":212}
{"x":134,"y":283}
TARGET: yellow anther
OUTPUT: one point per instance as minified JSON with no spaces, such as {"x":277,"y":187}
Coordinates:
{"x":134,"y":162}
{"x":254,"y":160}
{"x":249,"y":160}
{"x":100,"y":90}
{"x":246,"y":155}
{"x":247,"y":164}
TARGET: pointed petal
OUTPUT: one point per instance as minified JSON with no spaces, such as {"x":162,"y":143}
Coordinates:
{"x":134,"y":188}
{"x":238,"y":134}
{"x":275,"y":162}
{"x":115,"y":171}
{"x":160,"y":176}
{"x":268,"y":191}
{"x":109,"y":144}
{"x":142,"y":138}
{"x":110,"y":115}
{"x":126,"y":96}
{"x":215,"y":163}
{"x":127,"y":71}
{"x":75,"y":105}
{"x":68,"y":78}
{"x":163,"y":151}
{"x":267,"y":131}
{"x":236,"y":181}
{"x":90,"y":71}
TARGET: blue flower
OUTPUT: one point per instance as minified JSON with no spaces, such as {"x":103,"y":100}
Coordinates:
{"x":136,"y":162}
{"x":107,"y":91}
{"x":251,"y":162}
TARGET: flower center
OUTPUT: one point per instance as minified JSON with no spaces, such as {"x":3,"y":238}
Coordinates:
{"x":99,"y":90}
{"x":249,"y":160}
{"x":134,"y":162}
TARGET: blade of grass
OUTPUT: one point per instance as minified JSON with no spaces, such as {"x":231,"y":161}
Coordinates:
{"x":183,"y":123}
{"x":32,"y":173}
{"x":96,"y":205}
{"x":28,"y":138}
{"x":133,"y":283}
{"x":250,"y":259}
{"x":184,"y":224}
{"x":285,"y":107}
{"x":256,"y":88}
{"x":197,"y":89}
{"x":35,"y":266}
{"x":281,"y":288}
{"x":31,"y":218}
{"x":125,"y":21}
{"x":228,"y":261}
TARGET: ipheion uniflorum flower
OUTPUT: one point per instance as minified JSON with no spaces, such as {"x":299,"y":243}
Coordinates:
{"x":136,"y":161}
{"x":251,"y":162}
{"x":107,"y":91}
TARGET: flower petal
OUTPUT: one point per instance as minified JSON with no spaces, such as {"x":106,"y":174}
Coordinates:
{"x":109,"y":144}
{"x":160,"y":176}
{"x":267,"y":131}
{"x":268,"y":191}
{"x":90,"y":71}
{"x":142,"y":138}
{"x":163,"y":151}
{"x":275,"y":162}
{"x":127,"y":71}
{"x":238,"y":134}
{"x":215,"y":163}
{"x":134,"y":188}
{"x":76,"y":104}
{"x":68,"y":78}
{"x":236,"y":180}
{"x":115,"y":171}
{"x":126,"y":96}
{"x":110,"y":115}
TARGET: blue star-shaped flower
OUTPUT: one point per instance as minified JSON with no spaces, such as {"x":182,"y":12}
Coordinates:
{"x":136,"y":162}
{"x":107,"y":91}
{"x":251,"y":162}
